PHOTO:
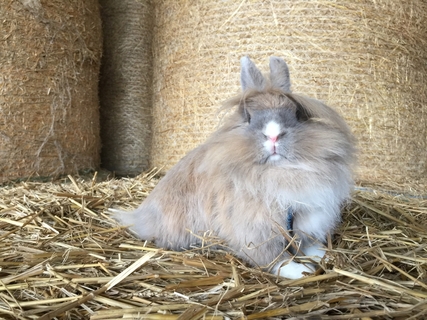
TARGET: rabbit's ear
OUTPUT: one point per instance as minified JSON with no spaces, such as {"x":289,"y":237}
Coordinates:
{"x":279,"y":74}
{"x":250,"y":76}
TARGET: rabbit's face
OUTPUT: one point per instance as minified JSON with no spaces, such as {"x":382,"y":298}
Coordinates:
{"x":272,"y":129}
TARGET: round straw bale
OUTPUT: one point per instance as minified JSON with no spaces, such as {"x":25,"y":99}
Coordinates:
{"x":367,"y":59}
{"x":125,"y":86}
{"x":49,"y":66}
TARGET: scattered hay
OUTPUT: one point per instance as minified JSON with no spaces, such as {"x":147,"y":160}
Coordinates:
{"x":63,"y":257}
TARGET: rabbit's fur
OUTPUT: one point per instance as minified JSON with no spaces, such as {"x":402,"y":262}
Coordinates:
{"x":278,"y":154}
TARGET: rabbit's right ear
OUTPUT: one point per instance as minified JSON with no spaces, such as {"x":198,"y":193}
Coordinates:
{"x":279,"y":74}
{"x":250,"y":77}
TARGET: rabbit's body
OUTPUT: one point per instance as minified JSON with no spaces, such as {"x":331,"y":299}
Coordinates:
{"x":281,"y":159}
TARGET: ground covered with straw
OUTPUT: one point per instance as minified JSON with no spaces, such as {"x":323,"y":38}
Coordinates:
{"x":63,"y":257}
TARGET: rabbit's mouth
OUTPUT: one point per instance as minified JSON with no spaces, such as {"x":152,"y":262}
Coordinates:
{"x":275,"y":157}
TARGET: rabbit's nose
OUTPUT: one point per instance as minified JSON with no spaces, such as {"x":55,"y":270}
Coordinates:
{"x":273,"y":138}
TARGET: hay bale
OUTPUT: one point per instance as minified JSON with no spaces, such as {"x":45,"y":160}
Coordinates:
{"x":367,"y":59}
{"x":125,"y":86}
{"x":49,"y":66}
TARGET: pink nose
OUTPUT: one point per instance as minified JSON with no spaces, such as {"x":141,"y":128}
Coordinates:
{"x":273,"y":139}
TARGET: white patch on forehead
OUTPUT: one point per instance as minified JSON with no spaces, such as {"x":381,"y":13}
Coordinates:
{"x":272,"y":129}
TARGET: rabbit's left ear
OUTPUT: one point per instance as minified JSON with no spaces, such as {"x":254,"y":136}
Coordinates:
{"x":279,"y":74}
{"x":250,"y":77}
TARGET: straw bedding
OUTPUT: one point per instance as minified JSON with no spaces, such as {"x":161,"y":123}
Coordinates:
{"x":62,"y":257}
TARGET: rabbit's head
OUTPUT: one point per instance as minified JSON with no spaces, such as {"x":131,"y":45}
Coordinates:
{"x":282,"y":129}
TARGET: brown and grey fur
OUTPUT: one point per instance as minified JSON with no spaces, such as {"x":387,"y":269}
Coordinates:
{"x":229,"y":185}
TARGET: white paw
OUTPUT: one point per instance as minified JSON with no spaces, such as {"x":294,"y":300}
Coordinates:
{"x":292,"y":269}
{"x":316,"y":251}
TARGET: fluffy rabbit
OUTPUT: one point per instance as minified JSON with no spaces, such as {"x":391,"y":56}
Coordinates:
{"x":280,"y":167}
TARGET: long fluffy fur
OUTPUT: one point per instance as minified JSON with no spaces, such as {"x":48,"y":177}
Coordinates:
{"x":218,"y":187}
{"x":222,"y":187}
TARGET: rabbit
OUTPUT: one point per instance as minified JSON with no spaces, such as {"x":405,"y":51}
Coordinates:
{"x":279,"y":168}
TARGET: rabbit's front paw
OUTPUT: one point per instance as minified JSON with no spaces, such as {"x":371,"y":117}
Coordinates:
{"x":292,"y":269}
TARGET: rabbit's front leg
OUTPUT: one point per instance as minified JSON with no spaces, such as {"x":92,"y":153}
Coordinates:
{"x":314,"y":250}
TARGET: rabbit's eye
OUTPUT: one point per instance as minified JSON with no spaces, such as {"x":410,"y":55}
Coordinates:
{"x":302,"y":114}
